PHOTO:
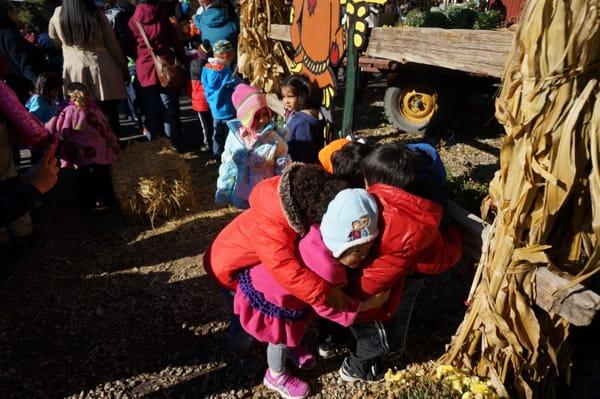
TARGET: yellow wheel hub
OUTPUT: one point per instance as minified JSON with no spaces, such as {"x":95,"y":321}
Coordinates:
{"x":417,"y":106}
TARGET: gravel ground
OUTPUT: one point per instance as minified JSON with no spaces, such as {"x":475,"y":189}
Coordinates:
{"x":103,"y":309}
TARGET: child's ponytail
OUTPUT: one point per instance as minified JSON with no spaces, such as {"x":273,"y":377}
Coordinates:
{"x":78,"y":93}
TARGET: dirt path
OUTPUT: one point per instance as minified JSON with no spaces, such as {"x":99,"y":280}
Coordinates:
{"x":101,"y":308}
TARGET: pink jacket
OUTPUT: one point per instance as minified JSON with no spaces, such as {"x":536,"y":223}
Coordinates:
{"x":86,"y":136}
{"x":26,"y":129}
{"x":256,"y":316}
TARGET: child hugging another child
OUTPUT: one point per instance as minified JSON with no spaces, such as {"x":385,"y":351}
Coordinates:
{"x":43,"y":103}
{"x":254,"y":149}
{"x":305,"y":130}
{"x":411,"y":241}
{"x":271,"y":314}
{"x":87,"y":144}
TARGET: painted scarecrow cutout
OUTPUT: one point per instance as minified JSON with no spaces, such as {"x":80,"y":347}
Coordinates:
{"x":320,"y":40}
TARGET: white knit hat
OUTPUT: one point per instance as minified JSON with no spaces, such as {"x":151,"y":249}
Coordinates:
{"x":350,"y":220}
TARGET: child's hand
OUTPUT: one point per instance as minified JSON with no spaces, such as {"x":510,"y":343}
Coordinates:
{"x":338,"y":300}
{"x":44,"y":174}
{"x":376,"y":301}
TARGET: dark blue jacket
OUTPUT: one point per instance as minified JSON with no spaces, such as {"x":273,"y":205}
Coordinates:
{"x":215,"y":25}
{"x":431,"y":174}
{"x":305,"y":137}
{"x":25,"y":61}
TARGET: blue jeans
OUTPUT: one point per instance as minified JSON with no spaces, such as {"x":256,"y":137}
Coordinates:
{"x":220,"y":132}
{"x":161,"y":107}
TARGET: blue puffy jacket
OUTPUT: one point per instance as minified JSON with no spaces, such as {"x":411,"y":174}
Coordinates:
{"x":242,"y":167}
{"x":215,"y":25}
{"x":218,"y":82}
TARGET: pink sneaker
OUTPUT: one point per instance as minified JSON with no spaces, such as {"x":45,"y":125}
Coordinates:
{"x":302,"y":358}
{"x":287,"y":385}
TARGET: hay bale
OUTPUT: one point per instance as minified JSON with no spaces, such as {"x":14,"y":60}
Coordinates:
{"x":152,"y":182}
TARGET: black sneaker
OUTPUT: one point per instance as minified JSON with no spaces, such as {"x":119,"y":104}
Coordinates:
{"x":347,"y":375}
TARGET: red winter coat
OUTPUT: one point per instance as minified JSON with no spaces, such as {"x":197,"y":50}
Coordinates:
{"x":162,"y":36}
{"x":199,"y":103}
{"x":266,"y":232}
{"x":410,"y":241}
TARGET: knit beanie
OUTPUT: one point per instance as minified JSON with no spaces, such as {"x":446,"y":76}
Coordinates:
{"x":350,"y":220}
{"x":326,"y":153}
{"x":247,"y":101}
{"x":222,"y":46}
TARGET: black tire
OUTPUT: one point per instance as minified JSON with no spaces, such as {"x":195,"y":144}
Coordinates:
{"x":433,"y":114}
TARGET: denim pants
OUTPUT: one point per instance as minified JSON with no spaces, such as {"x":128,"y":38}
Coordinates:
{"x":161,"y":107}
{"x":375,"y":339}
{"x":220,"y":132}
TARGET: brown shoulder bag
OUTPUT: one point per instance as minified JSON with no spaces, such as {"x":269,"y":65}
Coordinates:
{"x":171,"y":74}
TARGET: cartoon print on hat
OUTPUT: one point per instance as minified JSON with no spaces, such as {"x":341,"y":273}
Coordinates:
{"x":350,"y":220}
{"x":360,"y":228}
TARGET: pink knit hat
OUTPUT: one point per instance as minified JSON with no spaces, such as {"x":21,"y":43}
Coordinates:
{"x":248,"y":100}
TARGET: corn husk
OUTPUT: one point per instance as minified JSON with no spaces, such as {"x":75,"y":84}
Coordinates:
{"x":153,"y":183}
{"x":260,"y":60}
{"x":546,"y":196}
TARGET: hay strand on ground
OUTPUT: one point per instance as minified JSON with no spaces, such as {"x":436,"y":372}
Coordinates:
{"x":153,"y":183}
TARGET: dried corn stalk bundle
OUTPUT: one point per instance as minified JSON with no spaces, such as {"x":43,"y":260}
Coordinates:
{"x":152,"y":182}
{"x":546,"y":195}
{"x":260,"y":60}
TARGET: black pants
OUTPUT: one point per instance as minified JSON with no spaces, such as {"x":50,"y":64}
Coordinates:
{"x":375,"y":339}
{"x":95,"y":186}
{"x":110,"y":109}
{"x":220,"y":132}
{"x":207,"y":128}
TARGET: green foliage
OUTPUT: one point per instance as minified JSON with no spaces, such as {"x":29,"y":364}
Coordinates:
{"x":489,"y":20}
{"x":415,"y":18}
{"x":461,"y":17}
{"x":436,"y":19}
{"x":466,"y":192}
{"x":33,"y":8}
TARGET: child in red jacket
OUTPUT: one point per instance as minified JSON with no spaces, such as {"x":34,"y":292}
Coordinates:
{"x":282,"y":209}
{"x":411,"y":242}
{"x":199,"y":103}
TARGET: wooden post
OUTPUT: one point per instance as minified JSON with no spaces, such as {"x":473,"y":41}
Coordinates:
{"x":351,"y":75}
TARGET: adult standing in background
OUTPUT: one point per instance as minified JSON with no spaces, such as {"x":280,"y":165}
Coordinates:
{"x":217,"y":22}
{"x":161,"y":105}
{"x":92,"y":54}
{"x":118,"y":13}
{"x":24,"y":60}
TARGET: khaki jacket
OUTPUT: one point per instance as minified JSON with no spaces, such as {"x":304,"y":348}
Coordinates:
{"x":101,"y":66}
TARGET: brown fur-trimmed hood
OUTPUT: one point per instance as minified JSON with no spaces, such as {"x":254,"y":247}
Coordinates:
{"x":291,"y":210}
